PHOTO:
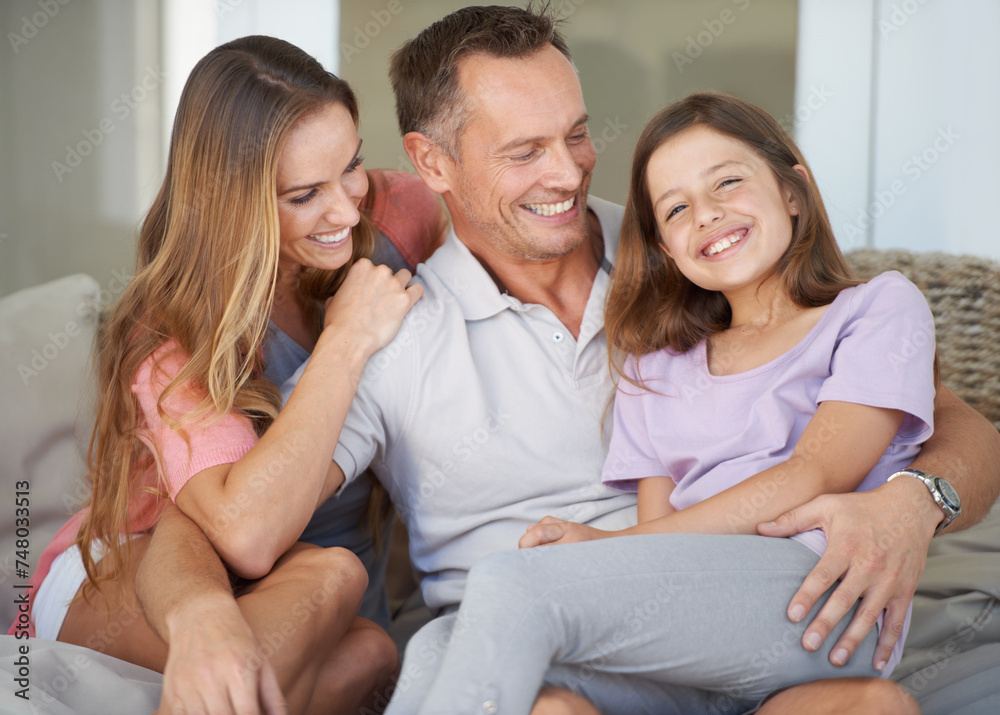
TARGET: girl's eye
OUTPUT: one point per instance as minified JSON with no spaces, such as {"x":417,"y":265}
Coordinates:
{"x":304,"y":199}
{"x":728,"y":182}
{"x":674,"y":211}
{"x":358,"y":160}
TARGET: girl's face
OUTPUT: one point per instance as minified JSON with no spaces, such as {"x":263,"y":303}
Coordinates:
{"x":723,"y":217}
{"x":320,"y":184}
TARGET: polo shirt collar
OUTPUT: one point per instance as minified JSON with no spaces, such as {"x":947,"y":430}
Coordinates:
{"x":474,"y":289}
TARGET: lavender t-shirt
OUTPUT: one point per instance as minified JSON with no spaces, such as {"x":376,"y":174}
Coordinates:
{"x":874,"y":345}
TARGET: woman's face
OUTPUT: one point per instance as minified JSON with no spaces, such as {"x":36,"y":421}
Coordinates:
{"x":320,"y":184}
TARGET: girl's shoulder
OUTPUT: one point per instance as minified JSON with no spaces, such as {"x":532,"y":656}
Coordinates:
{"x":889,"y":289}
{"x":656,"y":363}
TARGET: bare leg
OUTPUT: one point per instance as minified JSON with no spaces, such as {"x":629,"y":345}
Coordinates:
{"x":870,"y":696}
{"x":359,"y":674}
{"x":302,"y":613}
{"x":556,"y":701}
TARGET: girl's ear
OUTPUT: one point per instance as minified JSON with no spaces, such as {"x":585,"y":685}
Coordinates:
{"x":793,"y":209}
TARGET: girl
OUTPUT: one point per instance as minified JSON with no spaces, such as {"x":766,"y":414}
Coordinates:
{"x":256,"y":226}
{"x":758,"y":375}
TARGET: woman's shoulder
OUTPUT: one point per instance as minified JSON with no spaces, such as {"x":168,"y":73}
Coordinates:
{"x":159,"y":367}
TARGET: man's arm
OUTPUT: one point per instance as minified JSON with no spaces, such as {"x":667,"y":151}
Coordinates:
{"x":213,"y":663}
{"x":877,"y":540}
{"x":965,"y":450}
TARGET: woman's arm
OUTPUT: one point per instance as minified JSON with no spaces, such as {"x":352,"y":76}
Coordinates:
{"x":213,"y":663}
{"x":877,"y":541}
{"x":255,"y":509}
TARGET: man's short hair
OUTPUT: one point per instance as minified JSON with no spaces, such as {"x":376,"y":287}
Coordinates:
{"x":424,"y":72}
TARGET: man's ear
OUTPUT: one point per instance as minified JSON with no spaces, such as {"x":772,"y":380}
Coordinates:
{"x":432,"y":164}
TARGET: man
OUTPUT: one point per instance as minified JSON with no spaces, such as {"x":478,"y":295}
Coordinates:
{"x":485,"y":414}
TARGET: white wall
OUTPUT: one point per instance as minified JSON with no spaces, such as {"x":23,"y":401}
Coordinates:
{"x":64,"y":68}
{"x":80,"y":118}
{"x":905,"y":146}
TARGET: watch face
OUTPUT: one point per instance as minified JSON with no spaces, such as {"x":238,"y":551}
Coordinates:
{"x":948,"y":493}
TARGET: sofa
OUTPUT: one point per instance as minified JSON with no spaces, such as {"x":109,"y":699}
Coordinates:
{"x":952,"y":660}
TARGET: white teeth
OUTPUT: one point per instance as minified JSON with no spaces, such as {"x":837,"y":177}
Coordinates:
{"x":722,"y":244}
{"x":331,"y":237}
{"x":552,"y":209}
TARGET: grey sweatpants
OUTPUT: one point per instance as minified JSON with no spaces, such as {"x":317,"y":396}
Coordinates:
{"x":669,"y":623}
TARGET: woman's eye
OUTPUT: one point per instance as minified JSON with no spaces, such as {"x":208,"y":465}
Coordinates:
{"x":304,"y":199}
{"x":358,"y":161}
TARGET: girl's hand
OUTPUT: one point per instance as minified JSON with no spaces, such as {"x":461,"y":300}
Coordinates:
{"x":556,"y":531}
{"x":370,"y":305}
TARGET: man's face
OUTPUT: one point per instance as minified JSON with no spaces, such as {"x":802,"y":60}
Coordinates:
{"x":525,"y":158}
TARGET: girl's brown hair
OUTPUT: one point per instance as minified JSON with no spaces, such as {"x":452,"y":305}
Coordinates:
{"x":206,"y":268}
{"x":651,"y":304}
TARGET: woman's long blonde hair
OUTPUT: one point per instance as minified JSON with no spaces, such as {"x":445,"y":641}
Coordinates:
{"x":206,"y":268}
{"x":651,"y":304}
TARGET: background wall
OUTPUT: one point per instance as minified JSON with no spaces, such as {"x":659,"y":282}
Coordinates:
{"x":903,"y":138}
{"x":633,"y":58}
{"x":79,"y":129}
{"x":894,"y":101}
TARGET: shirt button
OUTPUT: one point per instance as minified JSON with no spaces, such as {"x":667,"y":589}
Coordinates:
{"x":558,"y":336}
{"x":490,"y":706}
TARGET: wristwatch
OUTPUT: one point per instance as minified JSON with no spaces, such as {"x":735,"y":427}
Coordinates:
{"x":943,"y":493}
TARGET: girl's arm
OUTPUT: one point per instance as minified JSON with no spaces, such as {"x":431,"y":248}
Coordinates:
{"x":255,"y":509}
{"x":837,"y":449}
{"x":654,"y":498}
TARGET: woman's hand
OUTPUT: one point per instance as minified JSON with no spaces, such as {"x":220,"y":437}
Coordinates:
{"x":216,"y":665}
{"x":556,"y":531}
{"x":370,"y":304}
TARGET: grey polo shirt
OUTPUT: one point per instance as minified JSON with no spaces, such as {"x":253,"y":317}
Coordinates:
{"x":484,"y":415}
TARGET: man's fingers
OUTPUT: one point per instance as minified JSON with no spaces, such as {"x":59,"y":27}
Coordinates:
{"x":270,"y":692}
{"x":823,"y":575}
{"x":892,"y":629}
{"x":865,"y":618}
{"x":840,"y":602}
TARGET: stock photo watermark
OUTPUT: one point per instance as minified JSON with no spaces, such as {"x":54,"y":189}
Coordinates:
{"x":121,"y":108}
{"x":31,"y":26}
{"x":699,"y":42}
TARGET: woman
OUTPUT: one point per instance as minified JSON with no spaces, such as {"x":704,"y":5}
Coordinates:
{"x":255,"y":226}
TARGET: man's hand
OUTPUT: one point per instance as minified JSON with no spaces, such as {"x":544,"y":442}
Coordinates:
{"x":550,"y":531}
{"x":215,"y":665}
{"x":877,"y":547}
